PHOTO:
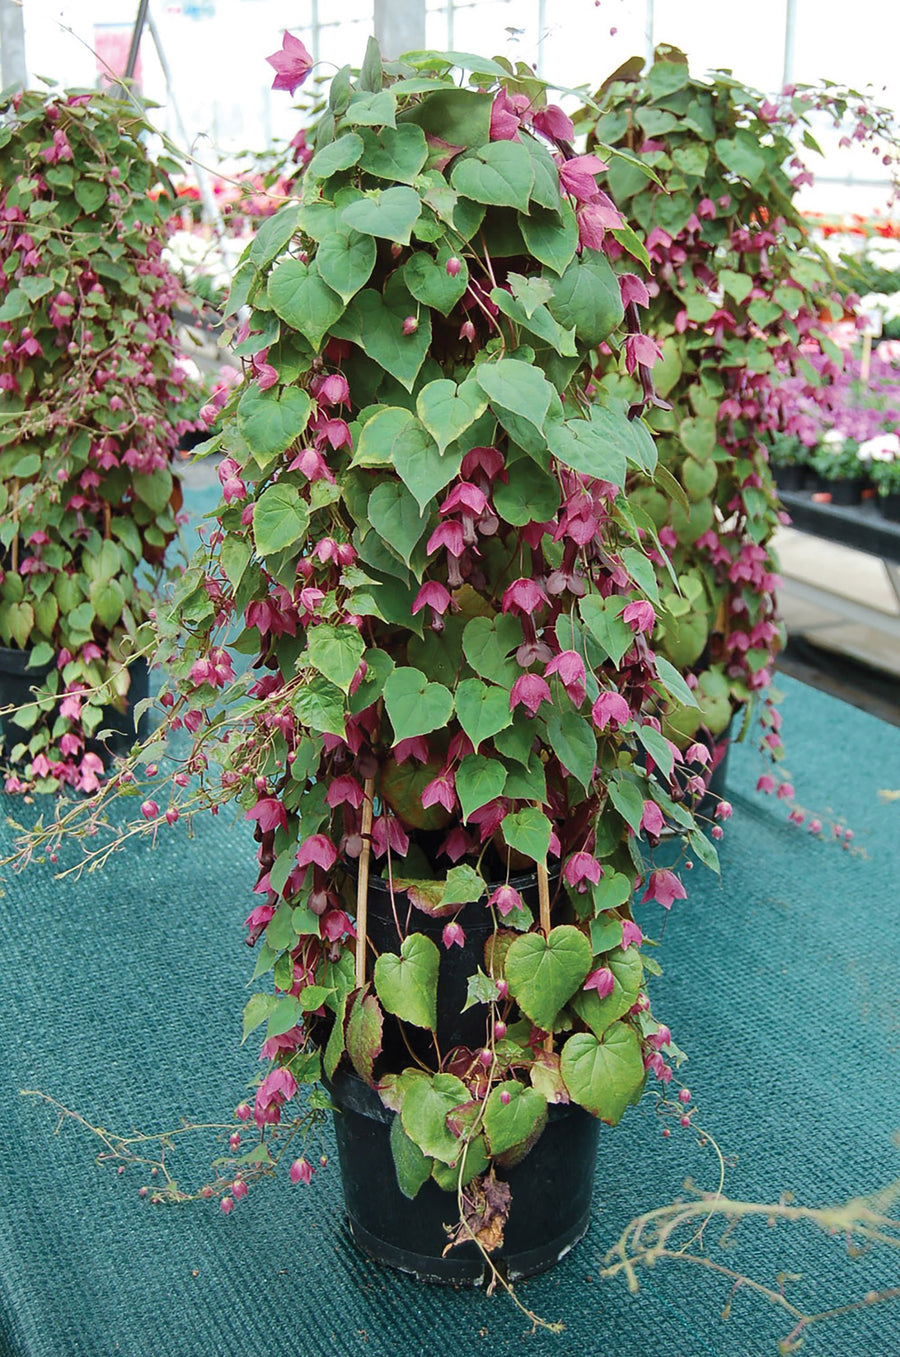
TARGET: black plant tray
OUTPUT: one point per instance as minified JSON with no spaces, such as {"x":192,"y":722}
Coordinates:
{"x":860,"y":526}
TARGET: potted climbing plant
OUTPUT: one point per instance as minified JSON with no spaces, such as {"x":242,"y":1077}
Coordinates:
{"x":92,"y":410}
{"x":738,"y":300}
{"x":414,"y":652}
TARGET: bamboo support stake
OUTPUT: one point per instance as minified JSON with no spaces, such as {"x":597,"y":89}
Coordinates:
{"x":865,"y":365}
{"x":544,"y":902}
{"x":15,"y":517}
{"x":544,"y":897}
{"x":362,"y":884}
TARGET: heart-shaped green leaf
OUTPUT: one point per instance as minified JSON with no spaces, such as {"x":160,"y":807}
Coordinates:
{"x":659,"y":749}
{"x":345,"y":261}
{"x":698,"y":437}
{"x":673,"y":682}
{"x":154,"y":488}
{"x":18,"y":622}
{"x":737,"y":285}
{"x":447,"y":410}
{"x":107,"y":600}
{"x":394,"y":513}
{"x":482,"y":709}
{"x":364,"y":1032}
{"x":463,"y":886}
{"x":528,"y":831}
{"x":395,"y":153}
{"x":336,"y":651}
{"x":269,"y":421}
{"x":587,"y":298}
{"x":550,"y":236}
{"x":426,"y":1105}
{"x":585,"y":446}
{"x":431,"y":284}
{"x":600,"y":617}
{"x":414,"y":705}
{"x":500,"y":174}
{"x":337,"y":155}
{"x":413,"y":1168}
{"x":604,"y":1075}
{"x":389,"y":213}
{"x":531,"y":495}
{"x":544,"y":973}
{"x":516,"y":1120}
{"x":407,"y":984}
{"x":280,"y":519}
{"x":538,"y":322}
{"x":375,"y":109}
{"x":90,"y":194}
{"x":574,"y":742}
{"x":378,"y":329}
{"x":487,"y":645}
{"x":628,"y":976}
{"x":513,"y":385}
{"x":420,"y":464}
{"x":302,"y":298}
{"x":478,"y":781}
{"x":627,"y":798}
{"x":320,"y":705}
{"x":273,"y":234}
{"x":377,"y":440}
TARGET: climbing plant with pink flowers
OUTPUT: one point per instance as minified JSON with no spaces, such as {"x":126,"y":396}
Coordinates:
{"x":93,"y":403}
{"x":739,"y":301}
{"x":416,"y":640}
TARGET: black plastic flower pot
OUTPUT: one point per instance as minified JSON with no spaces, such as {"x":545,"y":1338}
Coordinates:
{"x":846,"y":491}
{"x":890,"y":506}
{"x":18,"y":685}
{"x":789,"y":477}
{"x":458,"y":963}
{"x":551,"y":1191}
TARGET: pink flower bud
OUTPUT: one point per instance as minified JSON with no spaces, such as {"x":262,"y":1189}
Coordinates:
{"x":234,"y":1141}
{"x":504,"y":1097}
{"x":242,"y":1111}
{"x":239,"y":1189}
{"x":684,"y":1095}
{"x":486,"y":1059}
{"x":410,"y":325}
{"x":499,"y":1030}
{"x":171,"y":815}
{"x":149,"y":810}
{"x":227,"y":1205}
{"x":453,"y":266}
{"x":502,"y":989}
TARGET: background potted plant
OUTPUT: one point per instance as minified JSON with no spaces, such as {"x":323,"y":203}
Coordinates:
{"x":882,"y":456}
{"x":843,"y":473}
{"x":92,"y":411}
{"x":738,"y":301}
{"x":447,"y":742}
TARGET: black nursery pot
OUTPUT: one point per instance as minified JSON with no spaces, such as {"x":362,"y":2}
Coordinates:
{"x":550,"y":1204}
{"x":890,"y":506}
{"x":454,"y":1027}
{"x":847,"y":491}
{"x":789,"y":477}
{"x":17,"y":685}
